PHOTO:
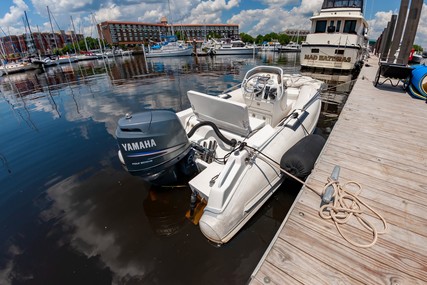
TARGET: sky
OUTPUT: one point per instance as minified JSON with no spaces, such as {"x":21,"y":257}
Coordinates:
{"x":254,"y":17}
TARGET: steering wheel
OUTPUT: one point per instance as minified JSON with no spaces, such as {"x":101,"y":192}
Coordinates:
{"x":255,"y":83}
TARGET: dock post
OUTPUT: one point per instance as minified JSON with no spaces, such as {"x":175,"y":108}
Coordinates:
{"x":385,"y":55}
{"x":410,"y":30}
{"x":383,"y":41}
{"x":397,"y":38}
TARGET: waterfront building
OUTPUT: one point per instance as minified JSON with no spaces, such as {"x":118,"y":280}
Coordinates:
{"x":131,"y":33}
{"x":39,"y":42}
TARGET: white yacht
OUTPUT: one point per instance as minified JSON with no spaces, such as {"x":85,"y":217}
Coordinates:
{"x":231,"y":47}
{"x":338,"y":37}
{"x":271,"y":46}
{"x":290,"y":47}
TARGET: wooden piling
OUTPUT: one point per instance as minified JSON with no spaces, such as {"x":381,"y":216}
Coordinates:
{"x":410,"y":30}
{"x":397,"y":38}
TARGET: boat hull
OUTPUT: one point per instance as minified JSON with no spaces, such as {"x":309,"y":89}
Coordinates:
{"x":169,"y":53}
{"x":249,"y":178}
{"x":256,"y":182}
{"x":235,"y":51}
{"x":326,"y":57}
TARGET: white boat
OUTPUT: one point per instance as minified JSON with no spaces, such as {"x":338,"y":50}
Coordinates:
{"x":63,"y":59}
{"x":47,"y":61}
{"x":271,"y":46}
{"x":15,"y":67}
{"x":169,"y":49}
{"x":227,"y":144}
{"x":338,"y":35}
{"x":290,"y":47}
{"x":86,"y":56}
{"x":232,"y":47}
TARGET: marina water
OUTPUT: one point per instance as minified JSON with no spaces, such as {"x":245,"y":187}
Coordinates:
{"x":71,"y":215}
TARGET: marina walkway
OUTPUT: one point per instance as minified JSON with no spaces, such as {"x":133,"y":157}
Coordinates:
{"x":380,"y":141}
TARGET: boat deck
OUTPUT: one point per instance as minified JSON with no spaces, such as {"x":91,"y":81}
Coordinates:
{"x":379,"y":141}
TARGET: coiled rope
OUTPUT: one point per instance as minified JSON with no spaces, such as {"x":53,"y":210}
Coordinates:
{"x":346,"y":204}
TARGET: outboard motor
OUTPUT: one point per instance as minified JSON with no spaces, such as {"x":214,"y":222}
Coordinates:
{"x":153,"y":144}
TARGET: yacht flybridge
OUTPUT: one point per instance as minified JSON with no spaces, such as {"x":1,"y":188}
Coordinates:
{"x":231,"y":147}
{"x":338,"y":37}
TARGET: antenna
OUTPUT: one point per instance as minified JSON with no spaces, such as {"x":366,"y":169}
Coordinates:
{"x":170,"y":15}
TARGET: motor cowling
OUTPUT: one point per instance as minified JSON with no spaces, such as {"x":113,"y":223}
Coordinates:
{"x":152,"y":143}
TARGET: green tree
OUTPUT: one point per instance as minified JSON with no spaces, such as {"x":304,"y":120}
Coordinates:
{"x":283,"y":39}
{"x":418,"y":48}
{"x":246,"y":38}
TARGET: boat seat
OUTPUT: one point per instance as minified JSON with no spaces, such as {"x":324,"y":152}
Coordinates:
{"x":228,"y":115}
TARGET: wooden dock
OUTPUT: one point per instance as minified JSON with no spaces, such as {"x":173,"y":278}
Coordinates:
{"x":380,"y":141}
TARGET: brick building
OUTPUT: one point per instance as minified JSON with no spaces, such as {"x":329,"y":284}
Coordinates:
{"x":43,"y":43}
{"x":128,"y":33}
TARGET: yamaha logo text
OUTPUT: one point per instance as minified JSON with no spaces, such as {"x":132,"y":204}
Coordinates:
{"x":139,"y":145}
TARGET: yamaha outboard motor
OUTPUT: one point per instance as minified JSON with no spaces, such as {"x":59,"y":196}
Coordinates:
{"x":153,"y":144}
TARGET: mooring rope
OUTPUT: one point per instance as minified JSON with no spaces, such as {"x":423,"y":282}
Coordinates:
{"x":346,"y":204}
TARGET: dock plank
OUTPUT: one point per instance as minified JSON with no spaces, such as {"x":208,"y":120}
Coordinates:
{"x":386,"y":255}
{"x":379,"y":141}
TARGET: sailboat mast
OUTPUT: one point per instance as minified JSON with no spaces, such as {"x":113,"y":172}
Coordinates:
{"x":41,"y":39}
{"x":29,"y":29}
{"x":51,"y":26}
{"x":74,"y":31}
{"x":170,"y":15}
{"x":81,"y":31}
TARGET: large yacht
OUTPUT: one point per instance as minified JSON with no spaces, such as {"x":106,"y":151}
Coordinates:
{"x":338,"y":38}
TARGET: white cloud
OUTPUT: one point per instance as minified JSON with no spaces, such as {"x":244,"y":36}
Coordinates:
{"x":261,"y":22}
{"x":208,"y":12}
{"x":308,"y":7}
{"x":59,"y":7}
{"x":379,"y":23}
{"x":15,"y":12}
{"x":108,"y":14}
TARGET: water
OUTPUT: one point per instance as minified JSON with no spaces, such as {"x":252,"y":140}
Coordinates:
{"x":69,"y":213}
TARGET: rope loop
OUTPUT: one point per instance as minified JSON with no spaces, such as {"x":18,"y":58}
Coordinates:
{"x":347,"y":204}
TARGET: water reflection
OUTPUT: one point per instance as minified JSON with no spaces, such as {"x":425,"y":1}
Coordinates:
{"x":71,"y":214}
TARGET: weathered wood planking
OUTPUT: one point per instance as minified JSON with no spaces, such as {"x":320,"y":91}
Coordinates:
{"x":379,"y":141}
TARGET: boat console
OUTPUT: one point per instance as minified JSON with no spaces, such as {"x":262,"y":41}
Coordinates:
{"x":264,"y":94}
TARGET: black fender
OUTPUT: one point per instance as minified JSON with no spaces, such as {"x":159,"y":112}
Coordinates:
{"x":299,"y":159}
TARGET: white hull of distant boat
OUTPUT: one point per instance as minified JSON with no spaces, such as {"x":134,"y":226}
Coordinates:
{"x":231,"y":47}
{"x":271,"y":46}
{"x":66,"y":59}
{"x":227,"y":143}
{"x":338,"y":37}
{"x":235,"y":50}
{"x":169,"y":52}
{"x":9,"y":68}
{"x":291,"y":47}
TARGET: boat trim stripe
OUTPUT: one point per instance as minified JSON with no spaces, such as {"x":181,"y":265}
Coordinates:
{"x":333,"y":46}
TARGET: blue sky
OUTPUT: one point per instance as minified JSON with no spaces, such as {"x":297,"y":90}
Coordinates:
{"x":253,"y":16}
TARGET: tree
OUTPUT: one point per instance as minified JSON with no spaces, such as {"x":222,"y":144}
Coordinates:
{"x":418,"y":48}
{"x":246,"y":38}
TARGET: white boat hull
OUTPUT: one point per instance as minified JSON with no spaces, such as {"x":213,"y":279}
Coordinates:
{"x":233,"y":143}
{"x":241,"y":187}
{"x":169,"y":53}
{"x":235,"y":51}
{"x":15,"y":68}
{"x":326,"y":57}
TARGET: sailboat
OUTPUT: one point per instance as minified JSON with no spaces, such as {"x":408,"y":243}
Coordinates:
{"x":170,"y":46}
